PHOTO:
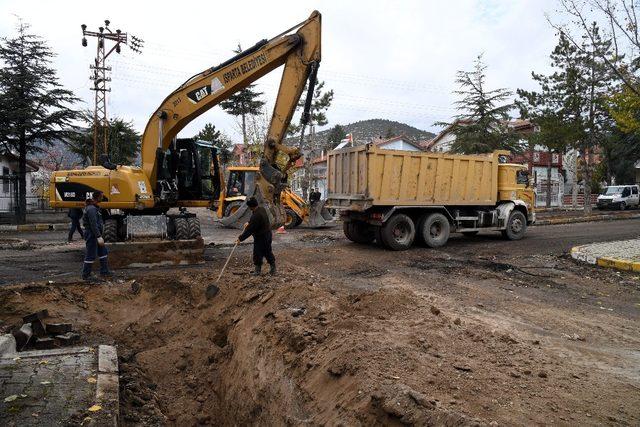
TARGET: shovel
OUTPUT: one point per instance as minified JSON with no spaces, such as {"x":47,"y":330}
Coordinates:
{"x":212,"y":290}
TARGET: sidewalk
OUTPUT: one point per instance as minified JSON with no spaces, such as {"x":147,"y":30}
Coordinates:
{"x":621,"y":255}
{"x":571,"y":217}
{"x":71,"y":386}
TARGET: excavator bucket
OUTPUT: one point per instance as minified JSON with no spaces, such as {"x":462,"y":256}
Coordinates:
{"x":319,"y":216}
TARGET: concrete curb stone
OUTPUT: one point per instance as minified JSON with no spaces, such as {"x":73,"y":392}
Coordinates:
{"x":7,"y":344}
{"x":579,"y":253}
{"x":34,"y":227}
{"x":107,"y":386}
{"x":594,"y":218}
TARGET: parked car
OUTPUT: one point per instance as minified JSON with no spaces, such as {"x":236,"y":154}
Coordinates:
{"x":619,"y":197}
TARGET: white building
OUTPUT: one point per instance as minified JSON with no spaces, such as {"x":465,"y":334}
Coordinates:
{"x":9,"y":182}
{"x":397,"y":143}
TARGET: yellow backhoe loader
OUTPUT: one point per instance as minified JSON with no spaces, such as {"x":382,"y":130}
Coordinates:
{"x":182,"y":173}
{"x":233,"y":212}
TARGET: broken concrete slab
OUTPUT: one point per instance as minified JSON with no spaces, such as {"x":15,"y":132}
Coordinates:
{"x":38,"y":328}
{"x":59,"y":328}
{"x":38,"y":315}
{"x":22,"y":335}
{"x":44,"y":343}
{"x":68,"y":338}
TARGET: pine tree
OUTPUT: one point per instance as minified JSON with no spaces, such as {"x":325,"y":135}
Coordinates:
{"x":35,"y":108}
{"x":555,"y":109}
{"x":243,"y":103}
{"x":123,"y":142}
{"x":482,"y":125}
{"x":336,"y":134}
{"x":218,"y":139}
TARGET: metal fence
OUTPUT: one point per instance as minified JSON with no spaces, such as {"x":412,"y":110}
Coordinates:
{"x":9,"y":197}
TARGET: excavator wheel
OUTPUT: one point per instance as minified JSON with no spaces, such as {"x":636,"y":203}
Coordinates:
{"x":292,"y":220}
{"x":110,"y":231}
{"x":182,"y":228}
{"x":194,"y":227}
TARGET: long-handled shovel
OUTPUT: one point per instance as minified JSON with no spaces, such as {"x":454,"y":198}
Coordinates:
{"x":212,"y":290}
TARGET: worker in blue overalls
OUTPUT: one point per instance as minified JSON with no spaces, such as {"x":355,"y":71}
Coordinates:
{"x":95,"y":246}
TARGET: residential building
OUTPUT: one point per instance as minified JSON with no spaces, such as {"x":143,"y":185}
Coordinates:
{"x":9,"y":183}
{"x":397,"y":143}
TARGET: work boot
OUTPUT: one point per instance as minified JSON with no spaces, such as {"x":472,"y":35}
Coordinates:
{"x":257,"y":270}
{"x":86,"y":271}
{"x":272,"y":270}
{"x":104,"y":268}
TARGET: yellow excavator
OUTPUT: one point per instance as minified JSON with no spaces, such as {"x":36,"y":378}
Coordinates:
{"x":233,"y":212}
{"x":183,"y":173}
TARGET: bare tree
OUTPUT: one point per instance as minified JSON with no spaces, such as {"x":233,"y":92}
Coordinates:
{"x":618,"y":23}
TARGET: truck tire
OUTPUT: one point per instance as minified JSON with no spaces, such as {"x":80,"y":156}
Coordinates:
{"x":110,"y":231}
{"x":292,"y":220}
{"x":358,"y":232}
{"x":194,"y":227}
{"x":182,"y":228}
{"x":434,"y":229}
{"x":622,"y":206}
{"x":377,"y":232}
{"x":516,"y":226}
{"x":398,"y":233}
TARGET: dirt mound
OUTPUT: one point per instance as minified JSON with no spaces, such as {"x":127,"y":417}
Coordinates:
{"x":298,"y":349}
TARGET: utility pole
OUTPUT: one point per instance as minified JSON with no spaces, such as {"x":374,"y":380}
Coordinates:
{"x":101,"y":79}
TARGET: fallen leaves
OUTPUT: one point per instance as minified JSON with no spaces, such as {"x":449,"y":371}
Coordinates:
{"x":95,"y":408}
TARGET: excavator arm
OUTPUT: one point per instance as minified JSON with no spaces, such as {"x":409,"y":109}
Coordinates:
{"x":299,"y":52}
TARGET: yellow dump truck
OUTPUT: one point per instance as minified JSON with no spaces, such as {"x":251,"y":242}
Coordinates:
{"x":397,"y":197}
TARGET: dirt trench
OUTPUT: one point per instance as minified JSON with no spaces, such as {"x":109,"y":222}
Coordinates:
{"x":304,"y":349}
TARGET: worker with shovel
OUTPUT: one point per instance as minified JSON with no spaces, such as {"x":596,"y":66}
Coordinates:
{"x":260,"y":228}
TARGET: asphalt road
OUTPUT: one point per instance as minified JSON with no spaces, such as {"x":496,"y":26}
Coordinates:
{"x":51,"y":259}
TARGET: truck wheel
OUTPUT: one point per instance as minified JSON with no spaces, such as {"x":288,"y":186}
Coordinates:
{"x":182,"y":228}
{"x":291,"y":220}
{"x":398,"y":232}
{"x":360,"y":232}
{"x":622,"y":206}
{"x":377,"y":232}
{"x":110,"y":230}
{"x":516,"y":226}
{"x":194,"y":227}
{"x":435,"y":230}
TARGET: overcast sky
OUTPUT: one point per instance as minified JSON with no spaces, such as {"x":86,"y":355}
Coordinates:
{"x":384,"y":59}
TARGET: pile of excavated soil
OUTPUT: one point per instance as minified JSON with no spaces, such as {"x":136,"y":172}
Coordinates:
{"x":299,"y":349}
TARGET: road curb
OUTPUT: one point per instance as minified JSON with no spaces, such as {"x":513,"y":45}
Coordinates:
{"x":594,"y":218}
{"x":34,"y":227}
{"x":580,"y":254}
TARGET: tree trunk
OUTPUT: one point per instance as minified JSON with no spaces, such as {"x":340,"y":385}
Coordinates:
{"x":548,"y":203}
{"x":244,"y":130}
{"x":21,"y":213}
{"x":587,"y":184}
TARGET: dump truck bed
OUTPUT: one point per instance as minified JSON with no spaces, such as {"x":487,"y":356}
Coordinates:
{"x":366,"y":176}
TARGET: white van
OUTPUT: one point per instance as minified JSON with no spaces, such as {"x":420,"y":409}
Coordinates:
{"x":619,"y":197}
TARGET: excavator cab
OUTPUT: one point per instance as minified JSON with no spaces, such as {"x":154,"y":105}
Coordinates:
{"x":189,"y":171}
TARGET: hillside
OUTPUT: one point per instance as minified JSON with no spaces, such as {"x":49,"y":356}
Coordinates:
{"x":365,"y":131}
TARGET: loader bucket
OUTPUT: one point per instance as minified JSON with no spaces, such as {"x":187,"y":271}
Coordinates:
{"x":238,"y":218}
{"x":319,"y":216}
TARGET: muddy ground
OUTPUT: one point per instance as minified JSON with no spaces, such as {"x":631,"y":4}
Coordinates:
{"x":481,"y":331}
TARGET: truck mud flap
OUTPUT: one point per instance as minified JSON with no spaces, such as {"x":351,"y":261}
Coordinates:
{"x":319,"y":216}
